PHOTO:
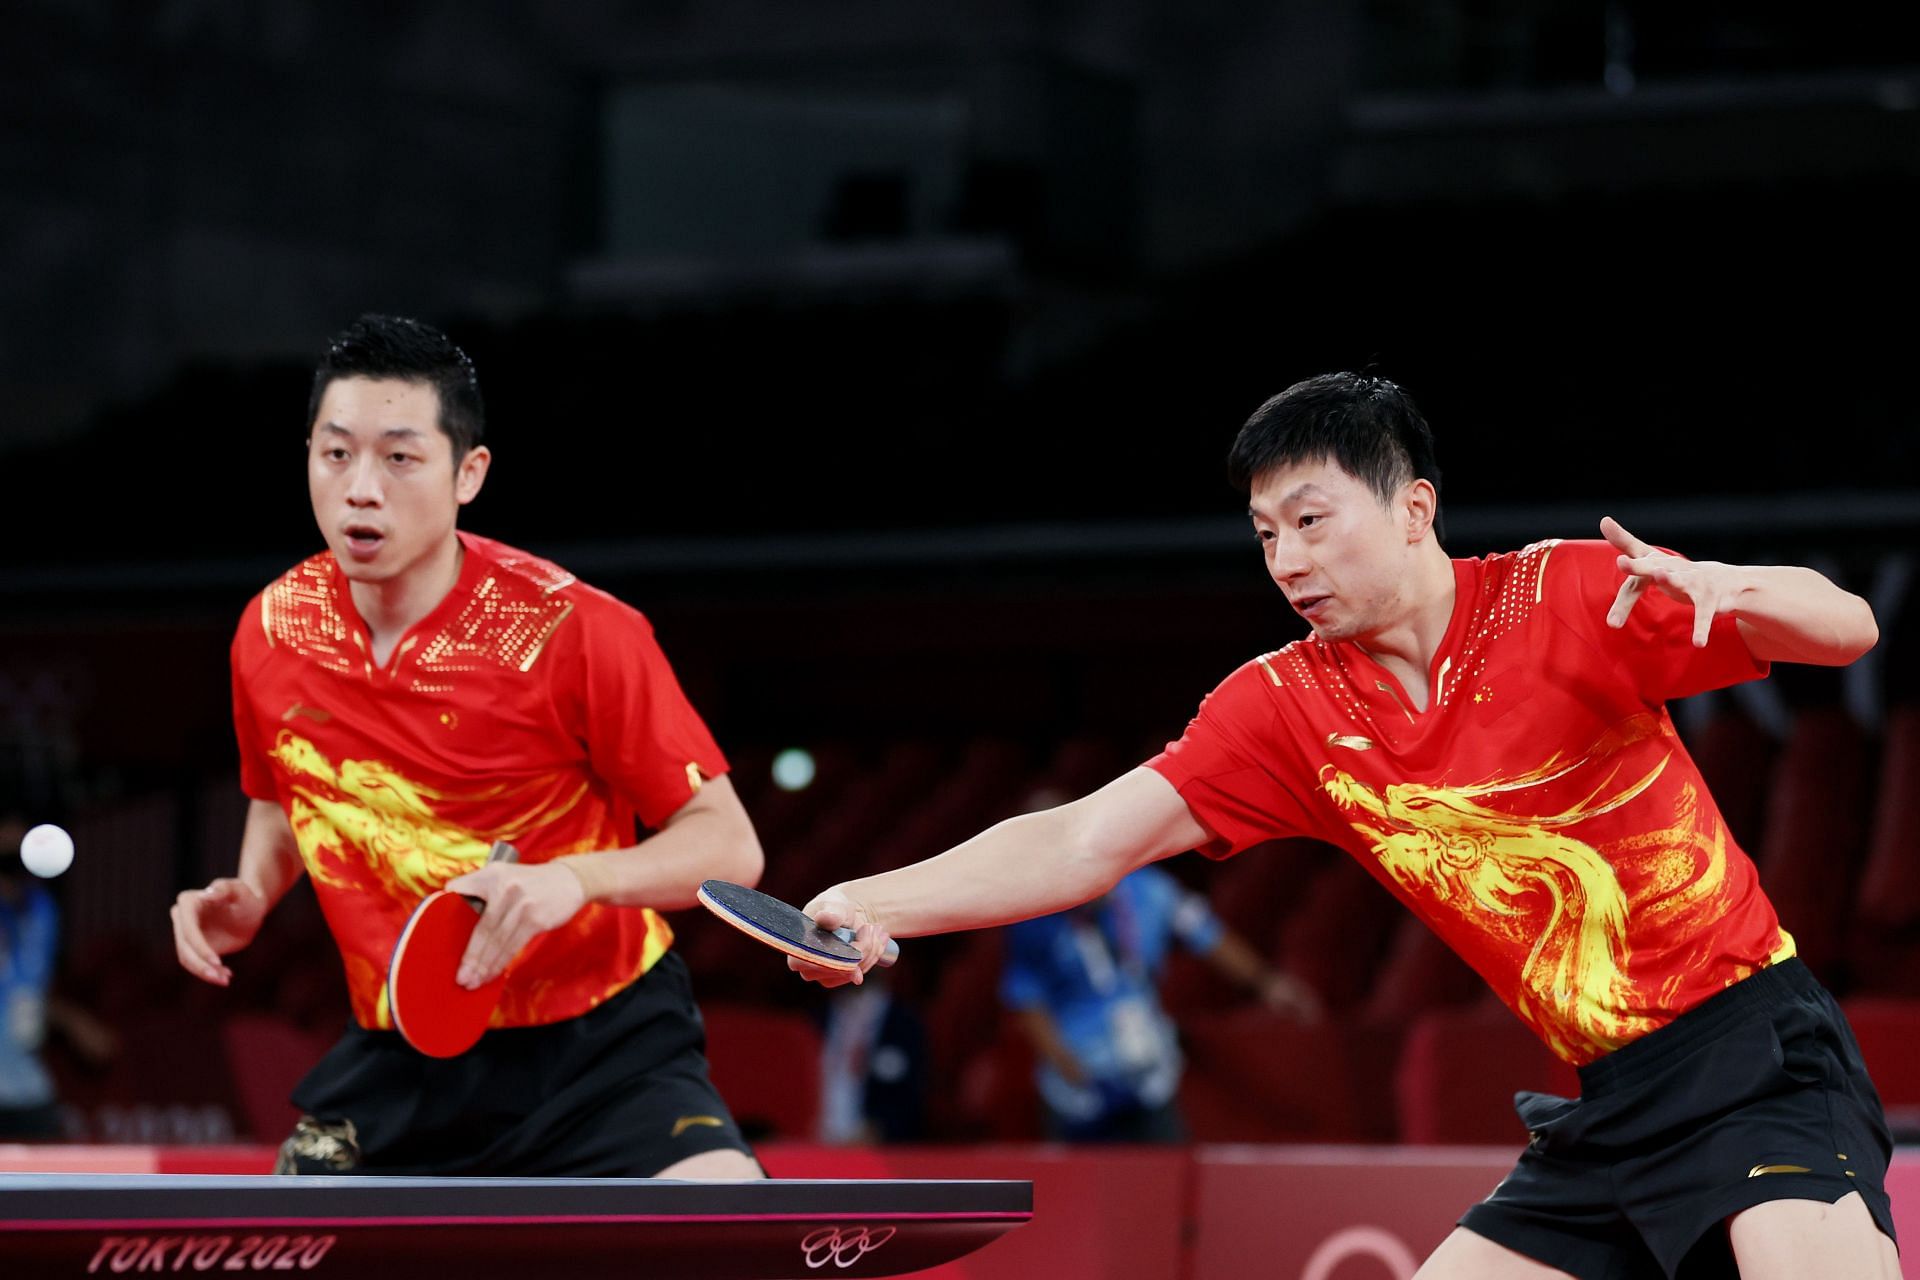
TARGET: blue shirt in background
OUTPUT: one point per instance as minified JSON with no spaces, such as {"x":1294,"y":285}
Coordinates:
{"x":29,"y":935}
{"x":1095,"y":970}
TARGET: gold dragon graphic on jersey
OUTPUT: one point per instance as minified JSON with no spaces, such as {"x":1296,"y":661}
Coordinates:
{"x":1505,"y":872}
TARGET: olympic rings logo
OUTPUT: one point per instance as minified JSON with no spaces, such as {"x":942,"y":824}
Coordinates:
{"x":1361,"y":1242}
{"x":842,"y":1247}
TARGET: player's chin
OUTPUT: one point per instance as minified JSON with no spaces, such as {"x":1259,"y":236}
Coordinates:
{"x":358,"y":568}
{"x":1330,"y":628}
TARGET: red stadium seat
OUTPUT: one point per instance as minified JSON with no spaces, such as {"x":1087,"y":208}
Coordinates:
{"x":995,"y":1098}
{"x":1254,"y":894}
{"x":266,"y":1056}
{"x":781,"y":817}
{"x":853,"y":831}
{"x":1253,"y":1076}
{"x":1885,"y":950}
{"x":1888,"y":1032}
{"x":1459,"y":1070}
{"x":962,"y":1018}
{"x":1816,"y":831}
{"x":1736,"y":757}
{"x":1338,"y":934}
{"x":988,"y":782}
{"x":766,"y":1064}
{"x":1420,"y":973}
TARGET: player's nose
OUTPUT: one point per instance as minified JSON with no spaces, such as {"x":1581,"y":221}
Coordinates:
{"x":363,"y":484}
{"x":1286,"y":560}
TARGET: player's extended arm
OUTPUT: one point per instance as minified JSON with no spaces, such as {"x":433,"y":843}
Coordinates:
{"x":709,"y":837}
{"x":1786,"y":613}
{"x":224,"y":917}
{"x":1032,"y":865}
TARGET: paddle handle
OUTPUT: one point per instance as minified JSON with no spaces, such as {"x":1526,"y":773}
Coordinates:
{"x":887,"y":957}
{"x":501,"y":852}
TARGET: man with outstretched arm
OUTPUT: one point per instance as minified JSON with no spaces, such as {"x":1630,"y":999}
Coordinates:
{"x":1490,"y":739}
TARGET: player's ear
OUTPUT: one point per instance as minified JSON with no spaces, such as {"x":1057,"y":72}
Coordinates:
{"x":471,"y":474}
{"x":1419,"y":504}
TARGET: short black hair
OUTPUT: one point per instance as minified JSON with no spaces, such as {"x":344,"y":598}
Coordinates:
{"x":376,"y":346}
{"x":1366,"y":425}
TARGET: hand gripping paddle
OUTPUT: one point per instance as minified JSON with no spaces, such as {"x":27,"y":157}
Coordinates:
{"x":783,"y":928}
{"x":435,"y":1014}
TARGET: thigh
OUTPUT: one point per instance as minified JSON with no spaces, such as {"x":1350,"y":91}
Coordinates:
{"x":715,"y":1166}
{"x":660,"y":1120}
{"x":1812,"y":1240}
{"x":1558,"y":1210}
{"x":1782,"y":1162}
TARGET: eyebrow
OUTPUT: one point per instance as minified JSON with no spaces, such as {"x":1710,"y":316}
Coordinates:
{"x":391,"y":433}
{"x":1295,"y":494}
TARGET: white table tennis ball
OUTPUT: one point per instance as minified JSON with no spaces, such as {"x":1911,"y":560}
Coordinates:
{"x":47,"y":850}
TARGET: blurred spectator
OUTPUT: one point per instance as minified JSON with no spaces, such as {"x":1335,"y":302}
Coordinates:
{"x":873,"y":1067}
{"x":1084,"y":984}
{"x":29,"y":943}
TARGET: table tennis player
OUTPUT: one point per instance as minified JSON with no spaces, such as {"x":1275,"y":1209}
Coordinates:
{"x":1490,"y":738}
{"x":402,"y":700}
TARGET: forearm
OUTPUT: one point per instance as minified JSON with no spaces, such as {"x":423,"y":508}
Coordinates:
{"x":1032,"y":865}
{"x":1792,"y":614}
{"x":1235,"y":960}
{"x":1035,"y":864}
{"x":709,"y":840}
{"x":1049,"y":1044}
{"x":269,"y":854}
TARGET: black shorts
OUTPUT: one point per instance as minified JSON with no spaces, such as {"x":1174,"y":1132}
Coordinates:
{"x":618,"y":1092}
{"x":1756,"y":1094}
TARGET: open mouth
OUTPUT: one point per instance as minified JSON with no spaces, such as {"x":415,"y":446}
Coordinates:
{"x":1307,"y":606}
{"x":364,"y":541}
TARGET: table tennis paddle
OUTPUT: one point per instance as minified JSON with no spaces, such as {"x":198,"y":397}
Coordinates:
{"x":784,"y":928}
{"x":435,"y":1014}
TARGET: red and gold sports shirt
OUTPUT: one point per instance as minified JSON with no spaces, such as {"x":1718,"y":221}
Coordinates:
{"x":527,"y":707}
{"x":1541,"y":815}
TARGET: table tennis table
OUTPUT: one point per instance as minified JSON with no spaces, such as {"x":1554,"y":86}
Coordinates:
{"x":368,"y":1228}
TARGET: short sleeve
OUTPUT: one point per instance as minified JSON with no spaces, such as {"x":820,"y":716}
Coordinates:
{"x":256,"y":765}
{"x":1655,"y":648}
{"x":1228,"y":768}
{"x":641,"y":734}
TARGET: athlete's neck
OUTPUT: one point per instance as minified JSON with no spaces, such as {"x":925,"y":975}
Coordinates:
{"x":1406,"y":646}
{"x":391,"y":607}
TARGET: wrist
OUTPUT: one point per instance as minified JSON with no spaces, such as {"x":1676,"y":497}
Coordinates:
{"x":597,"y":880}
{"x":849,"y":893}
{"x":1747,"y":583}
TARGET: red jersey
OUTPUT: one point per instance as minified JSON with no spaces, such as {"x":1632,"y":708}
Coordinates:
{"x":526,"y":707}
{"x":1541,"y":815}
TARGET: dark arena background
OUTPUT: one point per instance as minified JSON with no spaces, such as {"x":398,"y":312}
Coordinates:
{"x":886,"y":356}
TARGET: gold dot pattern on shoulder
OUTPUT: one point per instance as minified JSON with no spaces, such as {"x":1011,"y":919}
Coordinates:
{"x":543,"y":576}
{"x":301,"y":611}
{"x":504,"y":624}
{"x":1512,"y":587}
{"x":1310,"y":664}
